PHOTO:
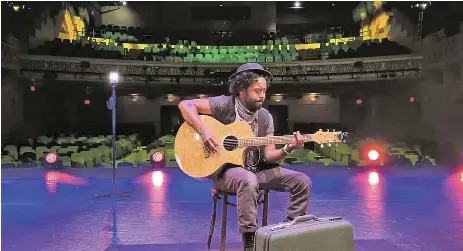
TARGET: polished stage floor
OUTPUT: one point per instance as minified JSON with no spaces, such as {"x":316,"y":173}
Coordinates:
{"x":399,"y":209}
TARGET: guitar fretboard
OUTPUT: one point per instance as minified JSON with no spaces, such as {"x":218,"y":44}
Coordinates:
{"x":261,"y":141}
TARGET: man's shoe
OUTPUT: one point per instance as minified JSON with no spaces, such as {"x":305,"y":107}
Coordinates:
{"x":248,"y":241}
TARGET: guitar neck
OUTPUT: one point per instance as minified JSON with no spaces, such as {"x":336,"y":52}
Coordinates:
{"x":269,"y":140}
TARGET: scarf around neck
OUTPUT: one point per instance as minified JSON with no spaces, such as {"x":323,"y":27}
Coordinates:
{"x":244,"y":114}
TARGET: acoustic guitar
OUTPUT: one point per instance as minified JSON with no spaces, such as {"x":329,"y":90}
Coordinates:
{"x":233,"y":139}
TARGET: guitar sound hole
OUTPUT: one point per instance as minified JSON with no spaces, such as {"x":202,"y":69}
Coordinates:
{"x":230,"y":143}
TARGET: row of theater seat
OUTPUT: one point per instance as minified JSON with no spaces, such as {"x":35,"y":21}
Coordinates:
{"x":368,"y":49}
{"x":395,"y":154}
{"x":72,"y":151}
{"x":163,"y":52}
{"x":311,"y":158}
{"x":127,"y":38}
{"x":147,"y":35}
{"x":343,"y":155}
{"x":215,"y":54}
{"x":97,"y":151}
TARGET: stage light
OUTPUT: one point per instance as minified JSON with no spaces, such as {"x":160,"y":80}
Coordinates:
{"x":51,"y":158}
{"x":296,"y":5}
{"x":33,"y":88}
{"x":358,"y":101}
{"x":87,"y":102}
{"x":157,"y":158}
{"x":423,"y":6}
{"x":313,"y":98}
{"x":277,"y":97}
{"x":373,"y":178}
{"x":134,"y":98}
{"x":114,"y":77}
{"x":373,"y":155}
{"x":412,"y":99}
{"x":171,"y":97}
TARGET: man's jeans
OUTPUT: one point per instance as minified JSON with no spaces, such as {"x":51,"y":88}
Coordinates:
{"x":246,"y":185}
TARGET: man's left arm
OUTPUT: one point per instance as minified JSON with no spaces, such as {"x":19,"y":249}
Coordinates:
{"x":271,"y":154}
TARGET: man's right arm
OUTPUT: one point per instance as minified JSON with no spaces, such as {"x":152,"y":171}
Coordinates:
{"x":191,"y":109}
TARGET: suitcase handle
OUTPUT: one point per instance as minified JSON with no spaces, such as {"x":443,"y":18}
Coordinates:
{"x":303,"y":218}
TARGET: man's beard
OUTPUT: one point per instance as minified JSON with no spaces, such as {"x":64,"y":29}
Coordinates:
{"x":252,"y":105}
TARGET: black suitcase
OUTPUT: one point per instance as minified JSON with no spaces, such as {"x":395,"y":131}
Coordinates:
{"x":306,"y":233}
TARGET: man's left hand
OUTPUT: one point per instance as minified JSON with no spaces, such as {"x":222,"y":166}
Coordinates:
{"x":298,"y":142}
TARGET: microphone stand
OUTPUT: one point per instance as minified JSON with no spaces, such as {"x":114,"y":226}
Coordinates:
{"x":112,"y":230}
{"x":114,"y":238}
{"x":111,"y":104}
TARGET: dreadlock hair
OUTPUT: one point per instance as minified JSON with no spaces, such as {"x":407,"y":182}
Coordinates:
{"x":243,"y":80}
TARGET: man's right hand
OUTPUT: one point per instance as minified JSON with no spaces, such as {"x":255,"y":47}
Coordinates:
{"x":209,"y":142}
{"x":190,"y":110}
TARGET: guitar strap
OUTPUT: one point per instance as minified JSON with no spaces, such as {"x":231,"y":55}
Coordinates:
{"x":255,"y":158}
{"x":252,"y":154}
{"x":262,"y":132}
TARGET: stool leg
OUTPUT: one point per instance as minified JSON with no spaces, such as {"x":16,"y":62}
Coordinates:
{"x":224,"y":222}
{"x":212,"y":226}
{"x":265,"y":209}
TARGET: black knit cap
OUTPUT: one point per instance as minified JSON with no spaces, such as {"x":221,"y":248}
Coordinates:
{"x":252,"y":67}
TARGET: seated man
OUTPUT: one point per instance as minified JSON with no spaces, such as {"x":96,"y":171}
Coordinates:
{"x":248,"y":87}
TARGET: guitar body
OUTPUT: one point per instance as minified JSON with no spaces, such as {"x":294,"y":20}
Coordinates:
{"x":196,"y":161}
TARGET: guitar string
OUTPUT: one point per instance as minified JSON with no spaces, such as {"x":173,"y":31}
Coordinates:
{"x":234,"y":142}
{"x":260,"y":139}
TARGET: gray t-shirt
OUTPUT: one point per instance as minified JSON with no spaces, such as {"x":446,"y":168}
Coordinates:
{"x":223,"y":108}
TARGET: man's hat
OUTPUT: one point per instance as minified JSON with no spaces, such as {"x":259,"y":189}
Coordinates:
{"x":252,"y":67}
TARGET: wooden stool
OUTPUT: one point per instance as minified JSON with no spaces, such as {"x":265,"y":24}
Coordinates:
{"x":222,"y":195}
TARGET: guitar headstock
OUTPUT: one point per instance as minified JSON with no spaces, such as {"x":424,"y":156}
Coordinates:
{"x":328,"y":137}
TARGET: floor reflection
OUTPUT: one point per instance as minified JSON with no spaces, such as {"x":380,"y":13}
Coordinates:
{"x":407,"y":210}
{"x":453,"y":188}
{"x":156,"y":185}
{"x":52,"y":178}
{"x":370,"y":186}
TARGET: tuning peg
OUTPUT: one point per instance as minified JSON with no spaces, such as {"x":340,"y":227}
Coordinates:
{"x":322,"y":146}
{"x":329,"y":145}
{"x":336,"y":144}
{"x":319,"y":130}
